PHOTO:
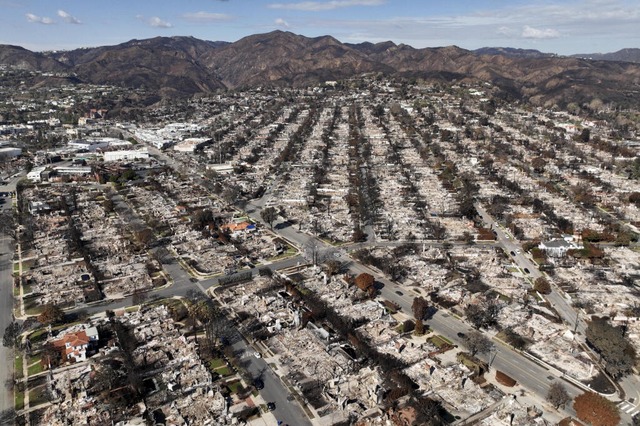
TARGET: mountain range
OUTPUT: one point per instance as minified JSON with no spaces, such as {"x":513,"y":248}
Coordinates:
{"x":623,"y":55}
{"x":183,"y":66}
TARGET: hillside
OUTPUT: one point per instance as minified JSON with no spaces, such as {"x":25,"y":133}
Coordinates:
{"x":183,"y":66}
{"x":624,"y":55}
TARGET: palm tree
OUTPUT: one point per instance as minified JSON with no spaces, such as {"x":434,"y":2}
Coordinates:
{"x":199,"y":311}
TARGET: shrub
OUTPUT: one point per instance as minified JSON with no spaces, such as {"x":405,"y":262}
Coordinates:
{"x":235,"y":278}
{"x":542,"y":286}
{"x":408,"y":326}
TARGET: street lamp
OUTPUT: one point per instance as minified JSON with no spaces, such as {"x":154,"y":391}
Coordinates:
{"x":493,"y":352}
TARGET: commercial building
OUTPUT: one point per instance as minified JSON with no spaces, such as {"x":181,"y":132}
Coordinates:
{"x":127,"y":155}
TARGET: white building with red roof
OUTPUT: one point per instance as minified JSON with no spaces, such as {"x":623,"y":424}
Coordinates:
{"x":75,"y":345}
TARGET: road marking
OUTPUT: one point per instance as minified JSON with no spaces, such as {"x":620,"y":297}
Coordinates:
{"x":518,"y":367}
{"x":629,"y":408}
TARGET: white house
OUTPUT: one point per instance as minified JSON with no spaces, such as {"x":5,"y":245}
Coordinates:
{"x":75,"y":345}
{"x":35,"y":175}
{"x":558,"y":247}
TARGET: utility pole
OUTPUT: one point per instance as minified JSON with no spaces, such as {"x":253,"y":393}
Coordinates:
{"x":493,"y":353}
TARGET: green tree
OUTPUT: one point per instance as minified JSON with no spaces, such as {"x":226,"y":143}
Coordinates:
{"x":200,"y":310}
{"x":269,"y":215}
{"x":230,"y":194}
{"x":201,"y":218}
{"x":609,"y":341}
{"x":11,"y":337}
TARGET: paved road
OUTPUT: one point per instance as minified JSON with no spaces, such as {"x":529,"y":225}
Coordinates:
{"x":529,"y":374}
{"x":6,"y":300}
{"x":561,"y":304}
{"x":182,"y":285}
{"x":287,"y":411}
{"x":6,"y":312}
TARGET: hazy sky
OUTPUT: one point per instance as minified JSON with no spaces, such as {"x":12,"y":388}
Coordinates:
{"x":563,"y":27}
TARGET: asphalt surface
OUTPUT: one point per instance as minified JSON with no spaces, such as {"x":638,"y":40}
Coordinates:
{"x":560,"y":302}
{"x":6,"y":311}
{"x":529,"y":374}
{"x":286,"y":409}
{"x":7,"y":249}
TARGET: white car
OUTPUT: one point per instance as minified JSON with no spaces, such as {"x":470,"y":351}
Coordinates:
{"x":257,"y":354}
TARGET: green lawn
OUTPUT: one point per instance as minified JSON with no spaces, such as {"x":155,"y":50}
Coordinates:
{"x":27,"y":265}
{"x":235,"y":387}
{"x":31,"y":307}
{"x":19,"y":400}
{"x":438,"y":341}
{"x":288,"y":253}
{"x":224,"y":371}
{"x":445,"y":339}
{"x":38,"y":396}
{"x":216,"y":363}
{"x":34,"y":368}
{"x":504,"y":298}
{"x":18,"y":367}
{"x":34,"y":359}
{"x":38,"y":335}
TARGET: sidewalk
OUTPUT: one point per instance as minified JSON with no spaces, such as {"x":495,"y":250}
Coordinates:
{"x":524,"y":398}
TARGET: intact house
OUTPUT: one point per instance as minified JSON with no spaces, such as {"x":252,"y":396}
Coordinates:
{"x":558,"y":247}
{"x":35,"y":175}
{"x":75,"y":345}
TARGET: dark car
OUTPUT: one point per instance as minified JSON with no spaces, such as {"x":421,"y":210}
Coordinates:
{"x":460,"y":334}
{"x":271,"y":406}
{"x":527,"y":270}
{"x":258,"y":384}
